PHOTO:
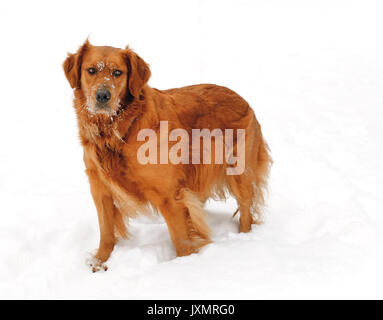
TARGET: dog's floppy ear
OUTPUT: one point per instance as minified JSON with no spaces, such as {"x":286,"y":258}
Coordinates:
{"x":72,"y":66}
{"x":139,"y":72}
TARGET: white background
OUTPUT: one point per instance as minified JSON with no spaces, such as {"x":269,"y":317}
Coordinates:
{"x":313,"y":73}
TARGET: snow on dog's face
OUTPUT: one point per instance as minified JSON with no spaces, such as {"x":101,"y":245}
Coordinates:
{"x":107,"y":77}
{"x":103,"y":80}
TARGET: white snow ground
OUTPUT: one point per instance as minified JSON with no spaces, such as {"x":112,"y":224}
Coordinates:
{"x":313,"y":72}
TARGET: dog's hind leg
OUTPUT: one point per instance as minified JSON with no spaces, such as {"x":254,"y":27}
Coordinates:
{"x":242,"y":189}
{"x":249,"y":187}
{"x":186,"y":222}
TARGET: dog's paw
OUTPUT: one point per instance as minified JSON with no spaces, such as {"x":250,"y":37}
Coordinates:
{"x":96,"y":264}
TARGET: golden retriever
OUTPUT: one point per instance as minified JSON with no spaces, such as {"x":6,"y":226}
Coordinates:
{"x":114,"y":104}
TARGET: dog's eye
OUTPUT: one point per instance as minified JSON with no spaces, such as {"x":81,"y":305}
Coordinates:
{"x":91,"y":70}
{"x":116,"y":73}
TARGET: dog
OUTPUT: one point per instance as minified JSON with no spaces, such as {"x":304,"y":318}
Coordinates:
{"x":113,"y":103}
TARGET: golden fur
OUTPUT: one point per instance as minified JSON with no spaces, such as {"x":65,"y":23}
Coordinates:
{"x":121,"y":186}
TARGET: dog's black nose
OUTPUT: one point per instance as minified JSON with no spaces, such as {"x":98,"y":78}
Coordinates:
{"x":103,"y":95}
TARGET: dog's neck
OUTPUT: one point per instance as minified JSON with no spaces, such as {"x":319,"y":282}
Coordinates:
{"x":100,"y":128}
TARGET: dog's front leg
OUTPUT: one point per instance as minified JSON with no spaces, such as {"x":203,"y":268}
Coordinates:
{"x":105,"y":210}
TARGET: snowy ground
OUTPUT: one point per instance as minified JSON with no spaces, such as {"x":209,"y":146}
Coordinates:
{"x":313,"y":72}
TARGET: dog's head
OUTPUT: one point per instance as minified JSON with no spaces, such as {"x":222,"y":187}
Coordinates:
{"x":106,"y":76}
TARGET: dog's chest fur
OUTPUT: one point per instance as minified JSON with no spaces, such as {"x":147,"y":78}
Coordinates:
{"x":107,"y":154}
{"x":111,"y":160}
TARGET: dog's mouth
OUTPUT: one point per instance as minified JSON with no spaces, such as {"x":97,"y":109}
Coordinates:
{"x":100,"y":109}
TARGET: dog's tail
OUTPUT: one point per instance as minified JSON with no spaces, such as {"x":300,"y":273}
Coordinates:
{"x":261,"y":171}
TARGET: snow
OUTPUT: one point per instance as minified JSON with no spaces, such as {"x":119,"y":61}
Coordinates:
{"x":313,"y":72}
{"x":100,"y":65}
